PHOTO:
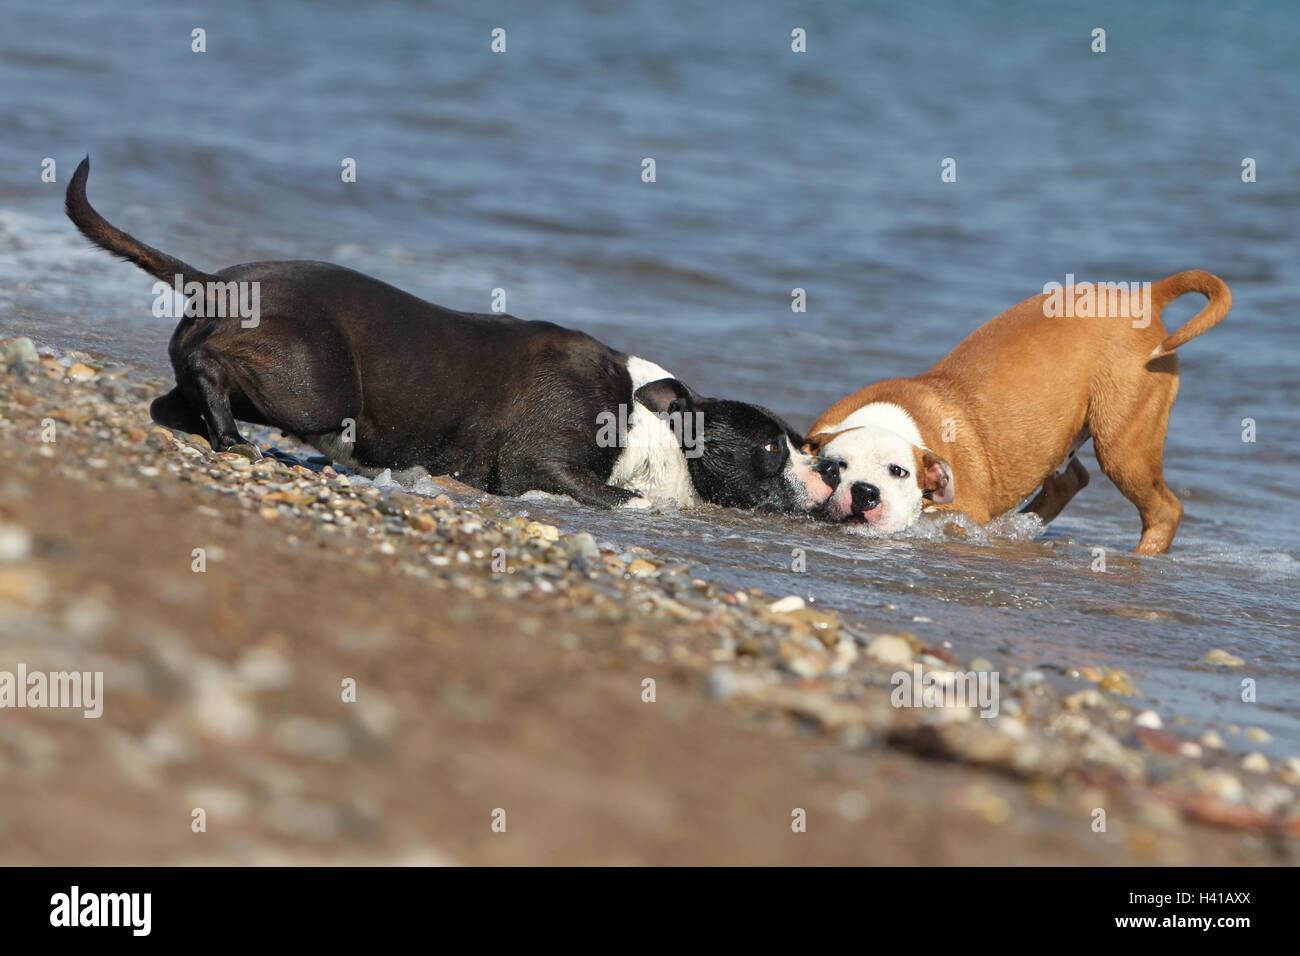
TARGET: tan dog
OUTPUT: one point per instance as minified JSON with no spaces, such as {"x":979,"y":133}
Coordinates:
{"x":1006,"y":411}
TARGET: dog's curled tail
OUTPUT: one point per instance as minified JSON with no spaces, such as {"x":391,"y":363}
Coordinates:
{"x":107,"y":236}
{"x":1208,"y":285}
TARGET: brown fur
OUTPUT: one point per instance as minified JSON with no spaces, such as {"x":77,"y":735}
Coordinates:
{"x":1018,"y":392}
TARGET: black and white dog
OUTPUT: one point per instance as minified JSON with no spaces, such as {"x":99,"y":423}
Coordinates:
{"x":376,"y":378}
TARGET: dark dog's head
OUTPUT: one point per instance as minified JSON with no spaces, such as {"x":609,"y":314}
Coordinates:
{"x":741,"y":455}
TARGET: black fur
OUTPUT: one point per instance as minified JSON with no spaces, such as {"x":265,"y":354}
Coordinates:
{"x":504,"y":404}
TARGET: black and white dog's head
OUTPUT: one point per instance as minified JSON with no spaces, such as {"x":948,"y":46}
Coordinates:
{"x":741,"y":455}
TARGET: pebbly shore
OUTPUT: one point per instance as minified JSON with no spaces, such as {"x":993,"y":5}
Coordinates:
{"x":227,"y":598}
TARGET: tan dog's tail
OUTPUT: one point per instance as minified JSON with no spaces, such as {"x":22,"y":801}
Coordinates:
{"x":1208,"y":285}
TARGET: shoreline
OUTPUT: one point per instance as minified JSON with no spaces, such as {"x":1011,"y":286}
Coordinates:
{"x":519,"y":688}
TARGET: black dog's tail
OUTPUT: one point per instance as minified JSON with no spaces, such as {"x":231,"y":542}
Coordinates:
{"x":107,"y":236}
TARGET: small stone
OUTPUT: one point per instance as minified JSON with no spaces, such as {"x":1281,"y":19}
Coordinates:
{"x":1258,"y":734}
{"x":890,"y":649}
{"x":1119,"y":682}
{"x":787,"y":605}
{"x":546,"y":532}
{"x":1190,"y":749}
{"x":1090,"y":674}
{"x":1148,"y":718}
{"x":19,"y":350}
{"x":80,"y":372}
{"x":245,"y":450}
{"x":1292,"y":772}
{"x":1223,"y":659}
{"x":582,"y":545}
{"x":641,"y":567}
{"x":1223,"y":785}
{"x":222,"y":710}
{"x":981,"y":664}
{"x":1211,"y":740}
{"x":1255,"y":763}
{"x":1088,"y":697}
{"x":15,"y":543}
{"x":265,"y":667}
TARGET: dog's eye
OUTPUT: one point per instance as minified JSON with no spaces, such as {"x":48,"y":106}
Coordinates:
{"x":897,"y":471}
{"x":772,"y":447}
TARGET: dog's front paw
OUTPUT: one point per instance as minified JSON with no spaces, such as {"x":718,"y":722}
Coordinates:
{"x":638,"y":502}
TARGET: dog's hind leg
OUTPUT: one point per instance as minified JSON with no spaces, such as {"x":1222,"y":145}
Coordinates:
{"x":1130,"y":445}
{"x":1057,"y":491}
{"x":210,"y":382}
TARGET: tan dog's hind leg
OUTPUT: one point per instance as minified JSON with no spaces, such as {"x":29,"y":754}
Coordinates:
{"x":1129,"y":438}
{"x":1057,"y":491}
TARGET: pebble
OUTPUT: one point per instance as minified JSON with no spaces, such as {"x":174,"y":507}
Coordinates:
{"x":1222,"y":659}
{"x":582,"y":545}
{"x":1088,"y":697}
{"x":17,"y":351}
{"x":787,"y":605}
{"x":15,"y":543}
{"x":265,"y":668}
{"x":1211,"y":740}
{"x":1150,"y":719}
{"x":222,"y":710}
{"x":1255,"y":763}
{"x":545,"y":532}
{"x":1223,"y":785}
{"x":80,"y":372}
{"x":1119,"y":682}
{"x":890,"y":649}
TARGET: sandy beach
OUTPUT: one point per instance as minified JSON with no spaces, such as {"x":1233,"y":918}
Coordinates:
{"x":501,"y":711}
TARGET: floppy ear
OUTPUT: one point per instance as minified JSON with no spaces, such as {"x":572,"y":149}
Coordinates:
{"x":665,"y":395}
{"x":934,"y":475}
{"x":814,"y":444}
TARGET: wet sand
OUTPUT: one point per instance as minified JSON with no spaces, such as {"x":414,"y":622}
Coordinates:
{"x":517,"y":690}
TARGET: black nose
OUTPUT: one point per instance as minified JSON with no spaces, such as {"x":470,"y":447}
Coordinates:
{"x":829,"y":469}
{"x":865,"y":497}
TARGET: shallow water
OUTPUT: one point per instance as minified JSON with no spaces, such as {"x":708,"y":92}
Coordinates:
{"x":775,"y":171}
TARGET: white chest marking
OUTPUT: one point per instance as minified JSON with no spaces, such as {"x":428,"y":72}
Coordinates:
{"x":652,"y":461}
